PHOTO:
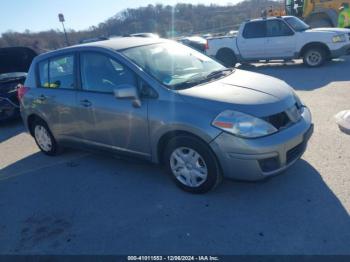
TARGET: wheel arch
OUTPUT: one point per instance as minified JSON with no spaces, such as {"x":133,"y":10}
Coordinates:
{"x":30,"y":120}
{"x":166,"y":137}
{"x":314,"y":44}
{"x":227,"y":50}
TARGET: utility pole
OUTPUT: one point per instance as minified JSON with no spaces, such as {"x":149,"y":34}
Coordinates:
{"x":61,"y":19}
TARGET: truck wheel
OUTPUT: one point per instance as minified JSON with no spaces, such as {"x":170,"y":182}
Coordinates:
{"x":314,"y":57}
{"x":226,"y":57}
{"x":191,"y":164}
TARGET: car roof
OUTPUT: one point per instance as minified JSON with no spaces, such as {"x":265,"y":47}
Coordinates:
{"x":119,"y":43}
{"x":115,"y":43}
{"x":268,"y":18}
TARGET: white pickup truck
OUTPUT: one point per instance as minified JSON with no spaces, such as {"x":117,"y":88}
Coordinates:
{"x":280,"y":38}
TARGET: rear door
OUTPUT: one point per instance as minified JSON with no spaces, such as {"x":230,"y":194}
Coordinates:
{"x":281,"y":40}
{"x":55,"y":97}
{"x":106,"y":121}
{"x":252,"y":41}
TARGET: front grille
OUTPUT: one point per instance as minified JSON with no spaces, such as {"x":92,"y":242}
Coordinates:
{"x":279,"y":120}
{"x":286,"y":118}
{"x":295,"y":152}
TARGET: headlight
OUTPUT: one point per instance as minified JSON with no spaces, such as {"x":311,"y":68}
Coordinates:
{"x":298,"y":100}
{"x":339,"y":38}
{"x":243,"y":125}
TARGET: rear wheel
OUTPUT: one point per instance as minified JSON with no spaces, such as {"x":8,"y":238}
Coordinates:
{"x":44,"y":138}
{"x":314,"y":56}
{"x":226,"y":57}
{"x":191,"y":164}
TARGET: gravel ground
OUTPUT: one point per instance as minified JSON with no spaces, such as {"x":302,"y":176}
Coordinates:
{"x":85,"y":203}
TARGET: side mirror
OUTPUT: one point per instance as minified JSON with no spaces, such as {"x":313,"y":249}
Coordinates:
{"x":128,"y":92}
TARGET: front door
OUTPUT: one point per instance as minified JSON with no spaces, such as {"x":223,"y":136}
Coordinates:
{"x":252,"y":42}
{"x":281,"y":40}
{"x":106,"y":121}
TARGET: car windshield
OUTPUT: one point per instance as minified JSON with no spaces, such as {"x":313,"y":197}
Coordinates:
{"x":12,"y":75}
{"x":175,"y":65}
{"x":297,"y":24}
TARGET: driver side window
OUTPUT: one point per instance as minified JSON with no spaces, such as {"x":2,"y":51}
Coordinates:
{"x":101,"y":73}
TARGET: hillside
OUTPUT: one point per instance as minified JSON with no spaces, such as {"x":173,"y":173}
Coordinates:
{"x":182,"y":19}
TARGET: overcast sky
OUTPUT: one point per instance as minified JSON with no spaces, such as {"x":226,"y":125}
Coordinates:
{"x":38,"y":15}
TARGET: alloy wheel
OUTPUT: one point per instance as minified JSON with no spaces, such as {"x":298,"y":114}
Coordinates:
{"x":314,"y":58}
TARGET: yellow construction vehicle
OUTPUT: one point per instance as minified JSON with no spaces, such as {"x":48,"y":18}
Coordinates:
{"x":316,"y":13}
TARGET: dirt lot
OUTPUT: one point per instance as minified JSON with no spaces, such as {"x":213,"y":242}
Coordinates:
{"x":84,"y":203}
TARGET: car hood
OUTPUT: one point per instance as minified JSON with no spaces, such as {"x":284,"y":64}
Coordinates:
{"x":330,"y":30}
{"x":16,"y":59}
{"x":244,"y":91}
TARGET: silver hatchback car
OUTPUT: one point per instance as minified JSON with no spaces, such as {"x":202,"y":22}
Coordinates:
{"x":165,"y":102}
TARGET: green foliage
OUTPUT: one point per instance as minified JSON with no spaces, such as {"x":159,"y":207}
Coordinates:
{"x":166,"y":20}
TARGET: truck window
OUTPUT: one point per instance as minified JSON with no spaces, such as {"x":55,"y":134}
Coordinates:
{"x":255,"y":29}
{"x":277,"y":28}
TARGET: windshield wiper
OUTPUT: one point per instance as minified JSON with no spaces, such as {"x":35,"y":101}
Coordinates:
{"x":188,"y":83}
{"x":195,"y":80}
{"x":221,"y":72}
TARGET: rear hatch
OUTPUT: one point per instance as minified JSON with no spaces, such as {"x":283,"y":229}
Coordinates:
{"x":16,"y":59}
{"x":14,"y":65}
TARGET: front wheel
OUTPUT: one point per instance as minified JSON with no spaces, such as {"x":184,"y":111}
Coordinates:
{"x":314,"y":57}
{"x":191,"y":164}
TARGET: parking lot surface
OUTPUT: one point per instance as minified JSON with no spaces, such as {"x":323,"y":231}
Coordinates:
{"x":86,"y":203}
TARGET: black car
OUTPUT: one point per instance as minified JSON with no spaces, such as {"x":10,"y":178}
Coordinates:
{"x":14,"y":65}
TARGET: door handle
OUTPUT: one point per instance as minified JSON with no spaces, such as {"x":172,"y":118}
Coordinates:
{"x":42,"y":97}
{"x":85,"y":103}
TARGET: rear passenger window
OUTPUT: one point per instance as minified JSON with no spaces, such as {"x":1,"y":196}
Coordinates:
{"x":61,"y":72}
{"x":255,"y":30}
{"x":57,"y":72}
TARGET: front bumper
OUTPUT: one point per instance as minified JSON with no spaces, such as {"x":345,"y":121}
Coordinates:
{"x":256,"y":159}
{"x":344,"y":50}
{"x":8,"y":109}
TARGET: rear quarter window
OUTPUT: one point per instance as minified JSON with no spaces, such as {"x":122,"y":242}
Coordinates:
{"x":44,"y":73}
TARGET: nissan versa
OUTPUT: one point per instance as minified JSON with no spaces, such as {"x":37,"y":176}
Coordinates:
{"x":165,"y":102}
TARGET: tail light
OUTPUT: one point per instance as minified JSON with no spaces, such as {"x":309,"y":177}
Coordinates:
{"x":21,"y":91}
{"x":206,"y":47}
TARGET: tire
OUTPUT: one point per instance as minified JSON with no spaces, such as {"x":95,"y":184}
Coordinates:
{"x":44,"y":138}
{"x":226,"y":57}
{"x":319,"y":22}
{"x":191,"y":164}
{"x":314,"y":56}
